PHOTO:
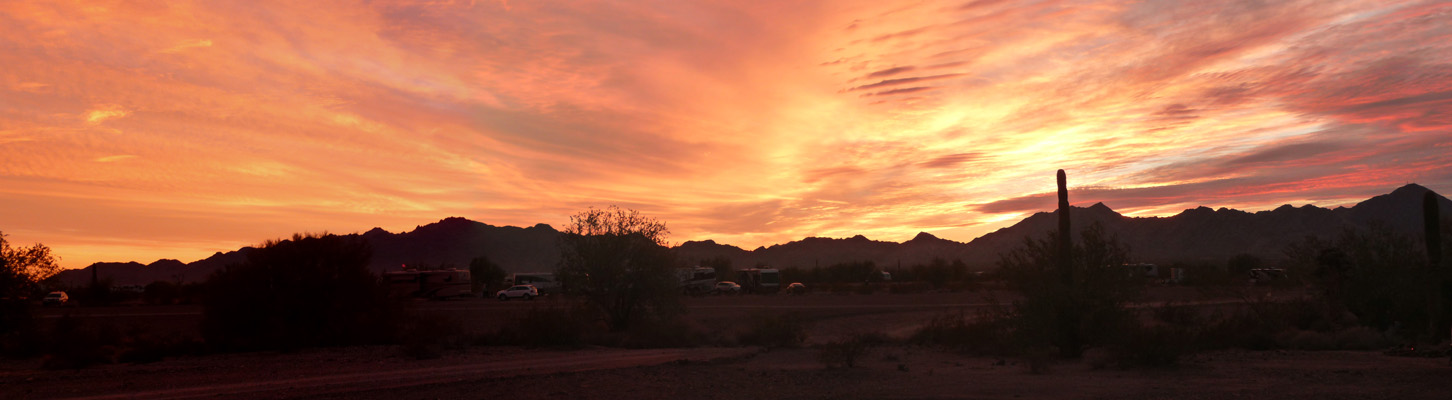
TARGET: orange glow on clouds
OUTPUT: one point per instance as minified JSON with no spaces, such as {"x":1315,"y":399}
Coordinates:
{"x":134,"y":131}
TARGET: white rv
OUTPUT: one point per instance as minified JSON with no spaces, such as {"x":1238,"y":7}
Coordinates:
{"x":436,"y":284}
{"x":696,"y":281}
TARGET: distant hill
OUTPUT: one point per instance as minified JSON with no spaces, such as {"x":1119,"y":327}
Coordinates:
{"x":1196,"y":235}
{"x":1206,"y":235}
{"x":454,"y":241}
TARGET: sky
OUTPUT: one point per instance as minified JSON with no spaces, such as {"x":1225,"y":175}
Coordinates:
{"x":134,"y":131}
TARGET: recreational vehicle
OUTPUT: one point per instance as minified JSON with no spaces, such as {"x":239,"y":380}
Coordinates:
{"x":436,"y":284}
{"x":759,"y":280}
{"x":695,"y":281}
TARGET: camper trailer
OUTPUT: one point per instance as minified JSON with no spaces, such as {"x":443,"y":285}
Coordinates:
{"x":1261,"y":276}
{"x":436,"y":284}
{"x":696,"y":281}
{"x":759,"y":280}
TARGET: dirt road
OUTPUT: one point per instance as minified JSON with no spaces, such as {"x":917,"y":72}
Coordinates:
{"x":333,"y":372}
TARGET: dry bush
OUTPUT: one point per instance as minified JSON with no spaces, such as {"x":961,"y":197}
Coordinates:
{"x":312,"y":290}
{"x":73,"y":344}
{"x":549,"y":327}
{"x":429,"y":337}
{"x":845,"y":353}
{"x":989,"y":332}
{"x":1154,"y":346}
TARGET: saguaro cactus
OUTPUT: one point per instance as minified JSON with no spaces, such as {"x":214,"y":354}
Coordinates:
{"x":1432,"y":225}
{"x":1066,"y":265}
{"x":1431,"y":221}
{"x":1069,"y":319}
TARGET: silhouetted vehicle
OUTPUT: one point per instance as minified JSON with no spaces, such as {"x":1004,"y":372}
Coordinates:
{"x":528,"y":292}
{"x":759,"y":280}
{"x":55,"y":299}
{"x":796,"y":288}
{"x":545,"y":282}
{"x":1260,"y":276}
{"x":726,"y":287}
{"x":436,"y":284}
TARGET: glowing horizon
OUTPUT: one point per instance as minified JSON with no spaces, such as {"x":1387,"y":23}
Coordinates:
{"x":134,"y":132}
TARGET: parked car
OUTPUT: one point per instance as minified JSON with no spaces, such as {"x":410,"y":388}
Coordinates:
{"x":726,"y":287}
{"x":796,"y":288}
{"x":528,"y":292}
{"x":55,"y":299}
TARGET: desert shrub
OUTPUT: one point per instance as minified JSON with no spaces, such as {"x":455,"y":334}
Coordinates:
{"x":1377,"y":274}
{"x":73,"y":344}
{"x":161,"y":292}
{"x":429,"y":336}
{"x":97,"y":293}
{"x":312,"y":290}
{"x":1154,"y":346}
{"x":1172,"y":333}
{"x":1083,"y":312}
{"x":844,"y":353}
{"x":779,"y":330}
{"x":139,"y":347}
{"x":18,"y":330}
{"x":990,"y":332}
{"x":1262,"y":324}
{"x":548,"y":327}
{"x":939,"y":273}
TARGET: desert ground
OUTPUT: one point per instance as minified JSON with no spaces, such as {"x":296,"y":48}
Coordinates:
{"x":889,"y":371}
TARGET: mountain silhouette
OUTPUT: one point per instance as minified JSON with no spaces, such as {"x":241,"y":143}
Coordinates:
{"x":1200,"y":234}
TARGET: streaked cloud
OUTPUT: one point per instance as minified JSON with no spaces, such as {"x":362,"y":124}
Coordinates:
{"x":204,"y":125}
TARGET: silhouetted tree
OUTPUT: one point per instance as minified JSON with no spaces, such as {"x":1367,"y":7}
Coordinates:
{"x":617,"y":260}
{"x":161,"y":292}
{"x":485,"y":273}
{"x":21,"y":271}
{"x":23,"y":268}
{"x":939,"y":272}
{"x":852,"y":272}
{"x":312,"y":290}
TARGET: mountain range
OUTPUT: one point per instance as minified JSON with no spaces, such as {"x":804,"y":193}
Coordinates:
{"x":1195,"y":235}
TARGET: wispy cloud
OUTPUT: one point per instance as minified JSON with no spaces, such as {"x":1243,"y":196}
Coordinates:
{"x":749,"y":123}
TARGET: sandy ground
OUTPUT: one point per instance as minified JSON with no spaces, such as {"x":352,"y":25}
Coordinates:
{"x":889,"y":372}
{"x":893,"y":372}
{"x":906,"y":373}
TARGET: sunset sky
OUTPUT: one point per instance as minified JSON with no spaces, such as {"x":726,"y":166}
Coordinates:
{"x":132,"y":131}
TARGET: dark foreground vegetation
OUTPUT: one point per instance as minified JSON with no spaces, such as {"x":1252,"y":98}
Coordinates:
{"x":1071,"y":298}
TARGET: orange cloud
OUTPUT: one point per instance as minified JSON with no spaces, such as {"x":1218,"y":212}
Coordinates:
{"x":133,"y":131}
